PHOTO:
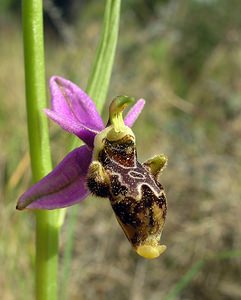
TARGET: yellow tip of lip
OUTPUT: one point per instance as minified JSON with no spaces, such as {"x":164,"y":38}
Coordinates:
{"x":150,"y":252}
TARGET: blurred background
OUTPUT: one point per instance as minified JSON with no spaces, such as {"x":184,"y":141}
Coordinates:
{"x":184,"y":58}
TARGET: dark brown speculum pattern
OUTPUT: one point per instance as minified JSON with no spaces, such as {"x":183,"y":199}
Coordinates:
{"x":136,"y":196}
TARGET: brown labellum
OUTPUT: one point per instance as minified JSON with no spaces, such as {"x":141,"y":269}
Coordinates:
{"x":136,"y":196}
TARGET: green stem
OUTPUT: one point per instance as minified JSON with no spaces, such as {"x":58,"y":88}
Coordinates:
{"x":99,"y":78}
{"x":47,"y":227}
{"x":47,"y":235}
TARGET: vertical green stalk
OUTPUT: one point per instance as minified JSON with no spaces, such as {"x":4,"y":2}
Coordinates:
{"x":46,"y":222}
{"x":99,"y":78}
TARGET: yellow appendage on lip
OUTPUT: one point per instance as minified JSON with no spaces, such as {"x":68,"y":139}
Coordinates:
{"x":149,"y":251}
{"x":115,"y":112}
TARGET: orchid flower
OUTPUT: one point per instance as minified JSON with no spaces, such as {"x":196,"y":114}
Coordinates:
{"x":105,"y":166}
{"x":75,"y":112}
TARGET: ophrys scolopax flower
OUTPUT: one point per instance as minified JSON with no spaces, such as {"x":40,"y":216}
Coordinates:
{"x":107,"y":166}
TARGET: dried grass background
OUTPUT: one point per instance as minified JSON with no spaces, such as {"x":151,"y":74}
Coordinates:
{"x":191,"y":115}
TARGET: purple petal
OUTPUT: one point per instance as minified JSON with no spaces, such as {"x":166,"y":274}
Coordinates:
{"x":73,"y":106}
{"x":134,"y":112}
{"x":87,"y":135}
{"x":64,"y":186}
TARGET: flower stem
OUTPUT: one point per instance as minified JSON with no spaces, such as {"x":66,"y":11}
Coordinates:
{"x":99,"y":78}
{"x":47,"y":227}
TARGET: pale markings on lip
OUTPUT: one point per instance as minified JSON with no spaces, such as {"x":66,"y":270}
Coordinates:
{"x":136,"y":175}
{"x":136,"y":196}
{"x":158,"y":192}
